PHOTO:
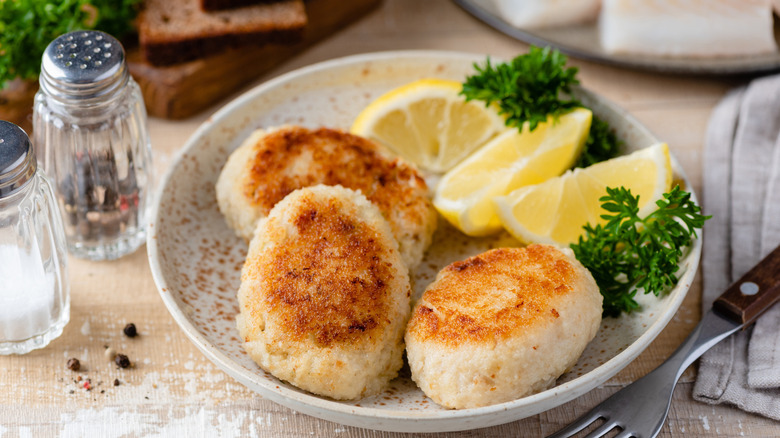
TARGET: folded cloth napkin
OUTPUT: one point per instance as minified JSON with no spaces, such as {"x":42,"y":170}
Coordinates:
{"x":742,"y":192}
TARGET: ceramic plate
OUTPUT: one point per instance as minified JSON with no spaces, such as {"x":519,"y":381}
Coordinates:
{"x":196,"y":260}
{"x":582,"y":41}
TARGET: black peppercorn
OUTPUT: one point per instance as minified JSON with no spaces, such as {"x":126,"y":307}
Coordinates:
{"x":122,"y":361}
{"x":130,"y":330}
{"x":74,"y":364}
{"x":116,"y":382}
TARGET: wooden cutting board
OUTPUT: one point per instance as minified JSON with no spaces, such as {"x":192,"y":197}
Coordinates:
{"x":183,"y":90}
{"x":16,"y":103}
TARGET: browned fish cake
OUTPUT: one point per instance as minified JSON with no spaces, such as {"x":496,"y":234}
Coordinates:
{"x":271,"y":164}
{"x":501,"y":325}
{"x":324,"y":295}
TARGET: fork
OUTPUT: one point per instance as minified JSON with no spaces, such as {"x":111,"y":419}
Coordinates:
{"x":639,"y":410}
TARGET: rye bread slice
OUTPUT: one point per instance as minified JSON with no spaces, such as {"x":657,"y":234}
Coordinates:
{"x":219,"y":5}
{"x":174,"y":31}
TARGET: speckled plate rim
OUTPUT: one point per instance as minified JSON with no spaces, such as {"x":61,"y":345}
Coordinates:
{"x":381,"y":419}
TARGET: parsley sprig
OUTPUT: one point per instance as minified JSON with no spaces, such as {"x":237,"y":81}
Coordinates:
{"x":602,"y":144}
{"x":28,"y":26}
{"x":527,"y":89}
{"x":534,"y":86}
{"x":630,"y":253}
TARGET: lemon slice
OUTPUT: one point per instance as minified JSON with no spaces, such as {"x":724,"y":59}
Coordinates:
{"x":428,"y":123}
{"x":513,"y":159}
{"x":555,"y":211}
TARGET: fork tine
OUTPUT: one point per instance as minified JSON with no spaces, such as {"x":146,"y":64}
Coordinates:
{"x":602,"y":430}
{"x":625,"y":434}
{"x":578,"y":424}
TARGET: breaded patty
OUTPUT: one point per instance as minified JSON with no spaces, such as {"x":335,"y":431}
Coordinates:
{"x":271,"y":164}
{"x":501,"y":325}
{"x":324,"y":294}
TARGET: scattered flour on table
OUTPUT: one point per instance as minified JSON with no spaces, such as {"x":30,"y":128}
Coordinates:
{"x":705,"y":422}
{"x":115,"y":422}
{"x":25,"y":432}
{"x":85,"y":328}
{"x":264,"y":421}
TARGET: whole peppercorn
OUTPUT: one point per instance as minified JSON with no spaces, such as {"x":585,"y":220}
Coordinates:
{"x":130,"y":330}
{"x":116,"y":382}
{"x":74,"y":364}
{"x":122,"y":361}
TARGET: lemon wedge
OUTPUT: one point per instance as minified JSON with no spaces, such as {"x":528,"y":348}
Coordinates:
{"x":511,"y":160}
{"x":555,"y":211}
{"x":428,"y":123}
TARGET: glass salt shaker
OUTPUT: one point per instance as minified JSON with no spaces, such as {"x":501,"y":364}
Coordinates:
{"x":34,"y":288}
{"x":89,"y":124}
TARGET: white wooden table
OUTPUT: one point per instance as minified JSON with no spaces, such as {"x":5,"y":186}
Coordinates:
{"x":173,"y":390}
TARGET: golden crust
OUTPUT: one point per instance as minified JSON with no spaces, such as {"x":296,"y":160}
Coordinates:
{"x":324,"y":295}
{"x":294,"y":157}
{"x":493,"y":295}
{"x":328,"y":279}
{"x":501,"y":325}
{"x":334,"y":158}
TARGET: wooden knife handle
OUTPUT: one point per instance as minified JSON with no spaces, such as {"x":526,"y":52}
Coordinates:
{"x":754,"y":293}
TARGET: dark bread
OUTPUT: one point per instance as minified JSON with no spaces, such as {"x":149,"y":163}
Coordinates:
{"x":174,"y":31}
{"x":219,"y":5}
{"x":183,"y":90}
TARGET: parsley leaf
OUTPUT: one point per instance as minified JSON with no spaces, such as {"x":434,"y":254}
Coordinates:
{"x":527,"y":89}
{"x":28,"y":26}
{"x":630,"y":253}
{"x":602,"y":144}
{"x":534,"y":86}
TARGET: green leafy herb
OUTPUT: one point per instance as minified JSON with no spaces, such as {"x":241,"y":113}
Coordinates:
{"x":28,"y":26}
{"x":629,"y":253}
{"x":527,"y":89}
{"x":602,"y":144}
{"x":534,"y":86}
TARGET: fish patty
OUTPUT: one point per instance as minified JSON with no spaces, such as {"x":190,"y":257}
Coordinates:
{"x":324,"y":295}
{"x":269,"y":165}
{"x":501,"y":325}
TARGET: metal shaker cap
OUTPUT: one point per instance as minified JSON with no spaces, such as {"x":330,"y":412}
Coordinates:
{"x":83,"y":64}
{"x":17,"y":158}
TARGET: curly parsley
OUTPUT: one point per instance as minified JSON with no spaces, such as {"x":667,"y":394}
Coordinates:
{"x":629,"y":253}
{"x":28,"y":26}
{"x":527,"y":89}
{"x":534,"y":86}
{"x":602,"y":144}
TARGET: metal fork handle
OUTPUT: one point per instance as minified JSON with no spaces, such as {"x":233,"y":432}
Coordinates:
{"x":712,"y":329}
{"x":737,"y":307}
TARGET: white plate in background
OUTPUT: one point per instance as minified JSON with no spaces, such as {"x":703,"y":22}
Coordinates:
{"x":582,"y":41}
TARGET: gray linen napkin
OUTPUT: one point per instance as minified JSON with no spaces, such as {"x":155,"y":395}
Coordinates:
{"x":742,"y":191}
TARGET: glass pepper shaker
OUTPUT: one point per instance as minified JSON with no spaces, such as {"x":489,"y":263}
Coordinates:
{"x":34,"y":288}
{"x":89,"y":124}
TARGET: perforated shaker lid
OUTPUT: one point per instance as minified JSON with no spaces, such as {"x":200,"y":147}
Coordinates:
{"x":83,"y":64}
{"x":17,"y":158}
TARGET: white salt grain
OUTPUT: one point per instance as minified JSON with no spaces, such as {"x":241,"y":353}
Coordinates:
{"x":26,"y":294}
